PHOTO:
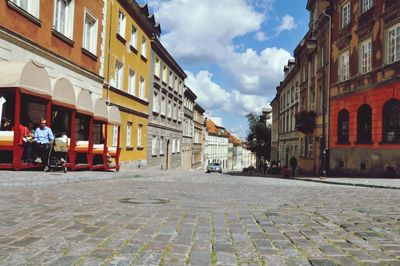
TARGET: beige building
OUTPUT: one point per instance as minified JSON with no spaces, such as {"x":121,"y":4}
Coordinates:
{"x":188,"y":128}
{"x":198,"y":138}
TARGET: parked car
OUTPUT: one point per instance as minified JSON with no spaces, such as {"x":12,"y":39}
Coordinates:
{"x":214,"y":167}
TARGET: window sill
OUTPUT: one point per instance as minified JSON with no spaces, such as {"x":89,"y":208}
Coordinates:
{"x":140,"y":148}
{"x":162,"y":155}
{"x":363,"y":143}
{"x":388,"y":143}
{"x":164,"y":83}
{"x":120,"y":38}
{"x":63,"y":38}
{"x":133,"y":49}
{"x":129,"y":148}
{"x":89,"y":54}
{"x":156,"y":77}
{"x":155,"y":113}
{"x":144,"y":59}
{"x":342,"y":143}
{"x":162,"y":115}
{"x":154,"y":155}
{"x":24,"y":13}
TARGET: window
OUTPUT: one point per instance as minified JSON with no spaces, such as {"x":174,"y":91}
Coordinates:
{"x":173,"y":145}
{"x":175,"y":112}
{"x":365,"y":56}
{"x":139,"y":136}
{"x":134,"y":37}
{"x":364,"y":123}
{"x":180,"y":114}
{"x":142,"y":88}
{"x":156,"y":104}
{"x":176,"y":84}
{"x":132,"y":82}
{"x":144,"y":47}
{"x":345,"y":14}
{"x":30,"y":6}
{"x":391,"y":121}
{"x":90,"y":34}
{"x":169,"y":113}
{"x":310,"y":147}
{"x":162,"y":146}
{"x":394,"y":44}
{"x":366,"y":5}
{"x":115,"y":136}
{"x":121,"y":24}
{"x":163,"y":106}
{"x":343,"y":127}
{"x":343,"y":70}
{"x":128,"y":134}
{"x":178,"y":146}
{"x":164,"y":74}
{"x":154,"y":146}
{"x":119,"y":75}
{"x":64,"y":17}
{"x":171,"y":79}
{"x":157,"y":67}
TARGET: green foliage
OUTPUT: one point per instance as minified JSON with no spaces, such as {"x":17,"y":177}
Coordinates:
{"x":259,"y":135}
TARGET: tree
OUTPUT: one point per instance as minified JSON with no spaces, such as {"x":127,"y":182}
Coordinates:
{"x":259,"y":137}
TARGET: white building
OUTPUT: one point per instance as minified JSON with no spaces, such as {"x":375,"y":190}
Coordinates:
{"x":216,"y":144}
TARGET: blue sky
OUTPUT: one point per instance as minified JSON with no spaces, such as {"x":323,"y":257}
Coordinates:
{"x":233,"y":51}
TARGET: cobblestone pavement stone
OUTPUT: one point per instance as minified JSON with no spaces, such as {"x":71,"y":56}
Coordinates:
{"x":194,"y":218}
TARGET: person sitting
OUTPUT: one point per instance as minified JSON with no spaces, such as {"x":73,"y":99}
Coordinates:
{"x":25,"y":138}
{"x":6,"y":124}
{"x":43,"y":137}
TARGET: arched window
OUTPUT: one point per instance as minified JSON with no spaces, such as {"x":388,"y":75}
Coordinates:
{"x":364,"y":124}
{"x":391,"y":121}
{"x":343,"y":127}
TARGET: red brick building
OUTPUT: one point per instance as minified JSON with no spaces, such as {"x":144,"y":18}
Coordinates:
{"x":364,"y":128}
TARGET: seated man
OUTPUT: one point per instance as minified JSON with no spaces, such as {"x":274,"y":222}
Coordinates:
{"x":43,"y":137}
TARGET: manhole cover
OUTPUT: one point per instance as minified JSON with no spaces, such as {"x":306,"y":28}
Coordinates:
{"x":143,"y":201}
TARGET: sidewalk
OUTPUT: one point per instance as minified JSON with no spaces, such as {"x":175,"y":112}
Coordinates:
{"x":388,"y":183}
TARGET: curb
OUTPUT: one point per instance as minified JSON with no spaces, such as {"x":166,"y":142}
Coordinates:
{"x":325,"y":181}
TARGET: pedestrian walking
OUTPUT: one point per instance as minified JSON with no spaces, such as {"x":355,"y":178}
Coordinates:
{"x":293,"y":165}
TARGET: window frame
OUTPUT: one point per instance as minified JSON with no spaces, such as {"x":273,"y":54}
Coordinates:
{"x":139,"y":135}
{"x":364,"y":136}
{"x":93,"y":32}
{"x":134,"y":39}
{"x":365,"y":58}
{"x":344,"y":70}
{"x":32,"y":6}
{"x":132,"y":82}
{"x":68,"y":30}
{"x":121,"y":26}
{"x":396,"y":54}
{"x":387,"y":112}
{"x":142,"y":88}
{"x":366,"y":5}
{"x":119,"y":75}
{"x":345,"y":20}
{"x":128,"y":144}
{"x":343,"y":134}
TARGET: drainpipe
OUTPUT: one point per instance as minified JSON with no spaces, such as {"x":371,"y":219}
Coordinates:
{"x":326,"y":151}
{"x":109,"y":54}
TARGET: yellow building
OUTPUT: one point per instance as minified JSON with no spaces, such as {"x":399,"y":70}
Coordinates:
{"x":126,"y":66}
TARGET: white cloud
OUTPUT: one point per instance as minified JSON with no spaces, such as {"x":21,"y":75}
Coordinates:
{"x":201,"y":31}
{"x":286,"y":24}
{"x":212,"y":97}
{"x":260,"y":36}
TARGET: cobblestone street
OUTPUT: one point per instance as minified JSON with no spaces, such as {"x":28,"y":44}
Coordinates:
{"x":199,"y":219}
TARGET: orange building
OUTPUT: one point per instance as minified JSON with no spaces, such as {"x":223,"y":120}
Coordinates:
{"x":365,"y":96}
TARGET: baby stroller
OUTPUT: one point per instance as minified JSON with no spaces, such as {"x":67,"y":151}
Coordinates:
{"x":58,"y":154}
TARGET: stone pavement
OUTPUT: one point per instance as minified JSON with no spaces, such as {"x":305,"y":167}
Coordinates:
{"x":192,"y":218}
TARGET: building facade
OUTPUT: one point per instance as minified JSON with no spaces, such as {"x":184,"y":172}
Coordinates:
{"x":188,"y":128}
{"x":198,"y":139}
{"x":67,"y":46}
{"x":364,"y":117}
{"x":289,"y":93}
{"x":166,"y":105}
{"x":129,"y":29}
{"x":275,"y":103}
{"x":216,"y":145}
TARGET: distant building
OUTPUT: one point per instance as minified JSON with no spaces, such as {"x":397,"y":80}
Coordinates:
{"x":166,"y":109}
{"x":188,"y":128}
{"x":216,"y":144}
{"x":198,"y":139}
